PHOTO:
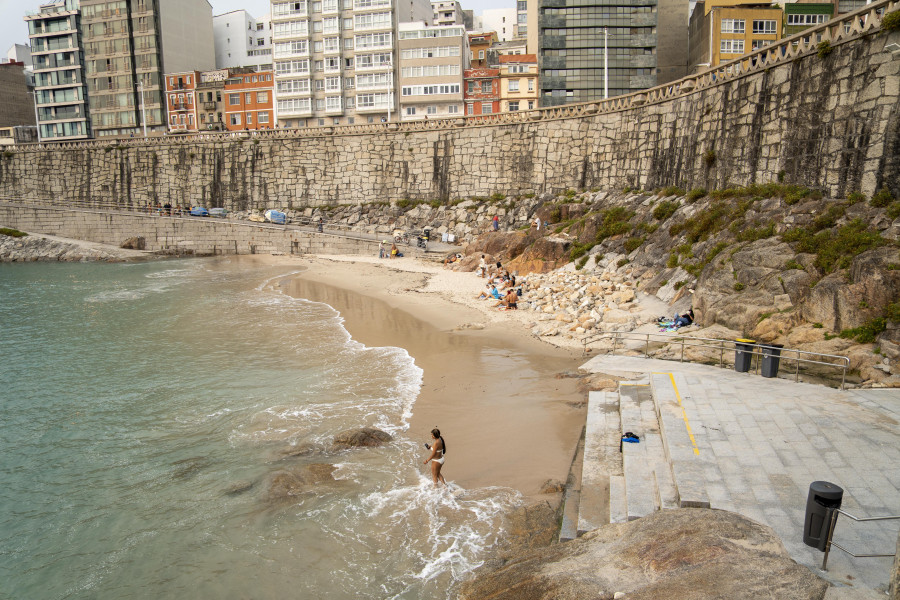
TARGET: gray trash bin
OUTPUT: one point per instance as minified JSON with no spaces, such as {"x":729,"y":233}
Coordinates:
{"x":771,"y":356}
{"x":743,"y":354}
{"x":823,"y":498}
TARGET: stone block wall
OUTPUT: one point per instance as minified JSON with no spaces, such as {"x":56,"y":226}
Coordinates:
{"x":830,"y":122}
{"x":179,"y":235}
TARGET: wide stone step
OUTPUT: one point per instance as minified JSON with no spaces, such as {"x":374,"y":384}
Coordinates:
{"x":688,"y":466}
{"x":602,"y":423}
{"x":618,"y":508}
{"x":568,"y":529}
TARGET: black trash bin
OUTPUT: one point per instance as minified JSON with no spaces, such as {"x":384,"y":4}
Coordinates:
{"x":771,"y":356}
{"x":823,"y":498}
{"x":743,"y":354}
{"x":426,"y":233}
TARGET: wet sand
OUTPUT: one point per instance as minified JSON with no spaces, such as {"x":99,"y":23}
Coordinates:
{"x":488,"y":384}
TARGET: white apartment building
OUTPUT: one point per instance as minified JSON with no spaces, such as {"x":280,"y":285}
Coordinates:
{"x":501,"y":20}
{"x":242,"y":41}
{"x":336,"y":60}
{"x":447,"y":12}
{"x":432,"y":61}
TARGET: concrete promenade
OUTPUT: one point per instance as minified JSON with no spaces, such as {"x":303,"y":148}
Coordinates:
{"x":753,"y":445}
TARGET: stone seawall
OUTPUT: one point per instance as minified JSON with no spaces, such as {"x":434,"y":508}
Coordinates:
{"x":179,"y":235}
{"x":828,"y":120}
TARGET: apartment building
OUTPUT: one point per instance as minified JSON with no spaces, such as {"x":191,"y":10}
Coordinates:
{"x":432,"y":61}
{"x":447,"y":12}
{"x":210,"y":99}
{"x":249,"y":103}
{"x":128,"y":45}
{"x":336,"y":60}
{"x":181,"y":103}
{"x":722,"y":33}
{"x":521,"y":31}
{"x":479,"y":47}
{"x":242,"y":41}
{"x":518,"y":82}
{"x":59,"y":78}
{"x":502,"y":21}
{"x":803,"y":15}
{"x":482,"y":91}
{"x":647,"y":44}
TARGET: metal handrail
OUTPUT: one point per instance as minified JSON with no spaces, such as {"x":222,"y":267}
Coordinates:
{"x":829,"y":543}
{"x":721,"y":345}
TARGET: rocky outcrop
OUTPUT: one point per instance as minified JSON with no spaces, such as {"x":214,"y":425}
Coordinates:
{"x":35,"y":248}
{"x":286,"y":483}
{"x":673,"y":554}
{"x":366,"y":437}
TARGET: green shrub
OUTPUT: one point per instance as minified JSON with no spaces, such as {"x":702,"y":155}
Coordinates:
{"x":672,"y":190}
{"x":581,"y":262}
{"x":781,"y":175}
{"x":579,"y":250}
{"x":891,"y":21}
{"x":709,"y":157}
{"x":714,"y":252}
{"x":824,"y":49}
{"x":622,"y":262}
{"x":680,"y":284}
{"x":793,"y":264}
{"x":664,"y":283}
{"x":664,"y":210}
{"x":751,"y":234}
{"x":632,"y":244}
{"x":817,"y":326}
{"x":854,"y":197}
{"x":673,"y":261}
{"x":738,"y":286}
{"x":403,"y":203}
{"x":570,"y":194}
{"x":614,"y":221}
{"x":829,"y":218}
{"x":882,"y":198}
{"x":498,"y":197}
{"x":835,"y":249}
{"x":434,"y":203}
{"x":695,"y":194}
{"x":12,"y":232}
{"x":8,"y":154}
{"x":705,"y":223}
{"x":893,"y":210}
{"x":892,"y":313}
{"x":866,"y":334}
{"x":529,"y":195}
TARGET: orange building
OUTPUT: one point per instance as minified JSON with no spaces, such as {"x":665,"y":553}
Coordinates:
{"x":249,"y":102}
{"x":180,"y":105}
{"x":480,"y":45}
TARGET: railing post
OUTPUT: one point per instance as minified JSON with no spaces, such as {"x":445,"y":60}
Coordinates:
{"x":647,"y":347}
{"x":797,"y":378}
{"x":721,"y":355}
{"x":682,"y":349}
{"x":834,"y":516}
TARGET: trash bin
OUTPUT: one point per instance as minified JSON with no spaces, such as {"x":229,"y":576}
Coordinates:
{"x":823,"y":498}
{"x":426,"y":233}
{"x":771,"y":356}
{"x":743,"y":354}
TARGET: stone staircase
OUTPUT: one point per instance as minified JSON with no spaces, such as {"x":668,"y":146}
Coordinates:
{"x":663,"y":470}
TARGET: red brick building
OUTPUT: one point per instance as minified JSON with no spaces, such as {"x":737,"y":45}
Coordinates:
{"x":481,"y":91}
{"x":181,"y":107}
{"x":249,"y":102}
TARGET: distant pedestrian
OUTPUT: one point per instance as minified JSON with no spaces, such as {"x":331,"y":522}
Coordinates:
{"x":496,"y":223}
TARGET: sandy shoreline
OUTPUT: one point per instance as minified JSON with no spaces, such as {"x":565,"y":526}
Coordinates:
{"x":488,"y":384}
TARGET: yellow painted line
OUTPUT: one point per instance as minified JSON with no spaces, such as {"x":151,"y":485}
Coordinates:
{"x":683,"y":413}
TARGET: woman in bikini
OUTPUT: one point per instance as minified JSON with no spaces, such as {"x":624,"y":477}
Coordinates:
{"x":438,"y":449}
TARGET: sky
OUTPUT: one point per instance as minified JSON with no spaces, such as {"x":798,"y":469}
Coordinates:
{"x":14,"y":31}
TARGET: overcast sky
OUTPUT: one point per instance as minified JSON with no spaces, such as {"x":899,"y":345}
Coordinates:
{"x":14,"y":31}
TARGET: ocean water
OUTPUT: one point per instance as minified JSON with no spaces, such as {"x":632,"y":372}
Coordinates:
{"x":146,"y":410}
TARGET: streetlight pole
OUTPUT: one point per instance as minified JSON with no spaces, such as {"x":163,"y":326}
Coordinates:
{"x":143,"y":107}
{"x":605,"y":64}
{"x":37,"y":120}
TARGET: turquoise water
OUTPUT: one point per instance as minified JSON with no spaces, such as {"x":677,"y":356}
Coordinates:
{"x":146,"y":410}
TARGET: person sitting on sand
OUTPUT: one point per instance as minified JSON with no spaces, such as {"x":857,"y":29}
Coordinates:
{"x":438,"y":450}
{"x":394,"y":251}
{"x":491,"y":292}
{"x":510,"y":301}
{"x":685,"y":319}
{"x":452,"y":258}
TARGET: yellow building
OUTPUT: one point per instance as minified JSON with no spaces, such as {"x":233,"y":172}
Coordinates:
{"x":518,"y":82}
{"x":722,"y":33}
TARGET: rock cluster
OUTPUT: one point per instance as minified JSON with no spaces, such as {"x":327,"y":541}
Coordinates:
{"x":38,"y":248}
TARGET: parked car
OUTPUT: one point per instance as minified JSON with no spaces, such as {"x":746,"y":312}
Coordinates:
{"x":218,"y":212}
{"x":277,"y":217}
{"x":199,"y":211}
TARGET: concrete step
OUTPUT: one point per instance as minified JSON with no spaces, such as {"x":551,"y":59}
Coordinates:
{"x":602,"y":422}
{"x":568,"y":529}
{"x":688,"y":466}
{"x":638,"y":416}
{"x":618,"y":510}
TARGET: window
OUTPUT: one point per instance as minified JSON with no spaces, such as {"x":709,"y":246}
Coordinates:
{"x":764,"y":26}
{"x":248,"y":97}
{"x":350,"y":120}
{"x":320,"y":105}
{"x":486,"y":108}
{"x":249,"y":118}
{"x":372,"y":21}
{"x":349,"y":83}
{"x":732,"y":26}
{"x":320,"y":85}
{"x":531,"y":85}
{"x":373,"y":40}
{"x":235,"y":118}
{"x":470,"y":109}
{"x":429,"y":90}
{"x":320,"y":65}
{"x":757,"y":44}
{"x":434,"y":52}
{"x":292,"y":67}
{"x":517,"y":68}
{"x":471,"y":85}
{"x":329,"y":6}
{"x":348,"y":24}
{"x":374,"y":61}
{"x":806,"y":19}
{"x":348,"y":44}
{"x":262,"y":117}
{"x":513,"y":85}
{"x":513,"y":106}
{"x":364,"y":101}
{"x":317,"y":7}
{"x":296,"y":48}
{"x":293,"y":105}
{"x":332,"y":84}
{"x":732,"y":47}
{"x":430,"y":71}
{"x":234,"y":99}
{"x":292,"y":28}
{"x":431,"y":110}
{"x":374,"y":80}
{"x":318,"y":46}
{"x":293,"y":86}
{"x":331,"y":25}
{"x":487,"y":87}
{"x":262,"y":97}
{"x":530,"y":104}
{"x":333,"y":103}
{"x":317,"y":26}
{"x":410,"y":110}
{"x":332,"y":44}
{"x":333,"y":64}
{"x":481,"y":55}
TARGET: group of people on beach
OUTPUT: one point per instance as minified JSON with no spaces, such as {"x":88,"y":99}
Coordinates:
{"x":499,"y":279}
{"x":394,"y":252}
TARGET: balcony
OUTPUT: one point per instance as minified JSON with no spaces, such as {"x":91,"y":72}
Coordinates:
{"x":375,"y":67}
{"x":178,"y":106}
{"x":377,"y":107}
{"x":210,"y":106}
{"x":295,"y":112}
{"x":292,"y":53}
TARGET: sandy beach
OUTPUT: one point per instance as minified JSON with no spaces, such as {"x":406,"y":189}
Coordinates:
{"x":489,"y":385}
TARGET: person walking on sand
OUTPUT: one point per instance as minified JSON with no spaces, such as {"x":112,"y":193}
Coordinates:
{"x":438,"y":450}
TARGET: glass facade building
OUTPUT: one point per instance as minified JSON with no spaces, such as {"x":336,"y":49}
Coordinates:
{"x":57,"y":54}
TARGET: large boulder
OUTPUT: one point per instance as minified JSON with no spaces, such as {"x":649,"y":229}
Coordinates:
{"x":671,"y":554}
{"x":286,"y":483}
{"x":360,"y":438}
